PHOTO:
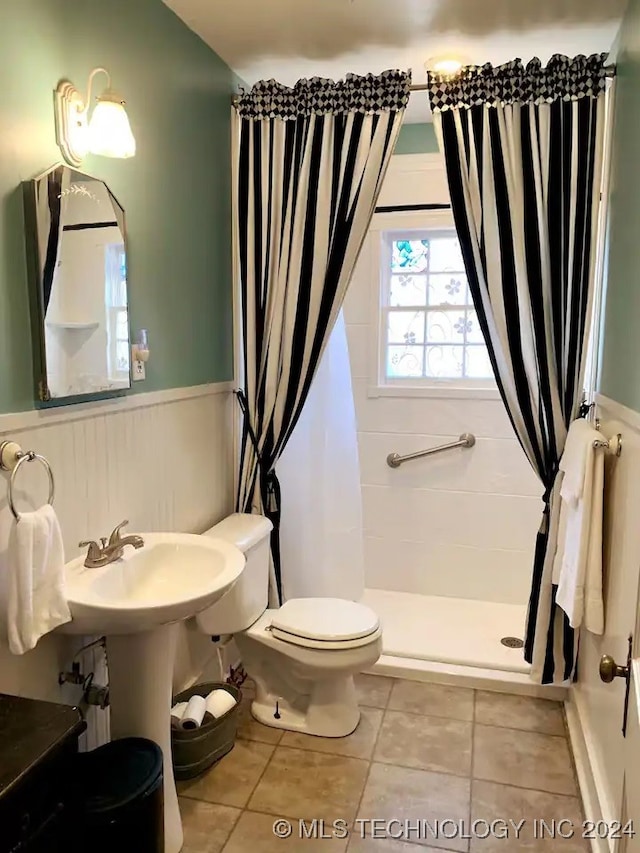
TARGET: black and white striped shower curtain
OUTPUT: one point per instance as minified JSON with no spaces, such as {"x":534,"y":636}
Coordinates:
{"x":523,"y":152}
{"x":309,"y":163}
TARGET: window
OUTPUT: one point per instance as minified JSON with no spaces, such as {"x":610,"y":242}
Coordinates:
{"x":430,"y":334}
{"x":117,"y":312}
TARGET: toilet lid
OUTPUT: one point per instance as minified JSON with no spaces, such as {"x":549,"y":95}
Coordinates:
{"x":325,"y":619}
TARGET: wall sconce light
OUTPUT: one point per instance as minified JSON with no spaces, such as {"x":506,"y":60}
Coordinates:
{"x":107,"y":131}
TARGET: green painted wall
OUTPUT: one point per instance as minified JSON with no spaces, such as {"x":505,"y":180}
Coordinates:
{"x":176,"y":191}
{"x":620,"y":359}
{"x":417,"y":139}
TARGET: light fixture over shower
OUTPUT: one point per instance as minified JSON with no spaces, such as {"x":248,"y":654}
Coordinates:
{"x":107,"y":131}
{"x":446,"y":64}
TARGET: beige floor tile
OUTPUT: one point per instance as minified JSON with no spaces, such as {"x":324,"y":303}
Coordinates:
{"x":491,"y":802}
{"x":250,"y":729}
{"x":254,"y":833}
{"x":435,"y":700}
{"x":429,"y":743}
{"x":232,"y":780}
{"x":519,"y":712}
{"x":206,"y":826}
{"x":303,"y":784}
{"x":248,"y":688}
{"x":383,"y":845}
{"x":357,"y":745}
{"x":373,"y":690}
{"x":524,"y":759}
{"x":402,"y":794}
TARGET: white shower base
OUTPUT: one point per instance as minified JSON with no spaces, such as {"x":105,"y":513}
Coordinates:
{"x":452,"y":640}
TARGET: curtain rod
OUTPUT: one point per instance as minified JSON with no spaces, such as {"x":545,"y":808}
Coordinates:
{"x":610,"y":71}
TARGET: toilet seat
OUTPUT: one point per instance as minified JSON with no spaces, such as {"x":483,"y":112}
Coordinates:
{"x":325,"y":623}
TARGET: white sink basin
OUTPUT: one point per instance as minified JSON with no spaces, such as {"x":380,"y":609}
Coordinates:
{"x":174,"y":576}
{"x":135,"y":602}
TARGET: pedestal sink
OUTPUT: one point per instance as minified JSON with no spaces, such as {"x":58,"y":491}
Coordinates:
{"x":135,"y":602}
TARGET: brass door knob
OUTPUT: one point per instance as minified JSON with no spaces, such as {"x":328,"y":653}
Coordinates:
{"x":609,"y":669}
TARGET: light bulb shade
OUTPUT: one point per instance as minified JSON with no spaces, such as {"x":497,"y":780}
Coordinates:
{"x":447,"y":66}
{"x":109,"y":130}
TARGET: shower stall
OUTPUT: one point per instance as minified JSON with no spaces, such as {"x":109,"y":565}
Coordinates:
{"x":440,"y":546}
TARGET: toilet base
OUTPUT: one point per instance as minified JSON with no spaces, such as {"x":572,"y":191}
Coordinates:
{"x":331,"y":709}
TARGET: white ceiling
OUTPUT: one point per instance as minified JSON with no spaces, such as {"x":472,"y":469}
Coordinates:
{"x":290,"y":39}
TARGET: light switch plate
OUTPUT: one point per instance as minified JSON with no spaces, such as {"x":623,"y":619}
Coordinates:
{"x":138,"y":371}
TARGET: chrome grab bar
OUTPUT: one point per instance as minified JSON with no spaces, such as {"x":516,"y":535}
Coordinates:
{"x":467,"y":439}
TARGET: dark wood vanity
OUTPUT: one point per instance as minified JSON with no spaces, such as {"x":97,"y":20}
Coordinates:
{"x":38,"y":741}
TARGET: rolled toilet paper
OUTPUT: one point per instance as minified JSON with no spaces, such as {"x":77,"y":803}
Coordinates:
{"x":193,"y":713}
{"x":177,"y":712}
{"x":219,"y":701}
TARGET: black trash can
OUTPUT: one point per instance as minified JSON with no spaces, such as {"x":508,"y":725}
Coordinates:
{"x":120,"y":797}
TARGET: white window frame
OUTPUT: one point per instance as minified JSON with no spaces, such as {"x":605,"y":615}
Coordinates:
{"x":116,"y":375}
{"x":379,"y":384}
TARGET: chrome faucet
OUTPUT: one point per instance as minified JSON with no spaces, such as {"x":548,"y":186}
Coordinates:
{"x":111,"y":550}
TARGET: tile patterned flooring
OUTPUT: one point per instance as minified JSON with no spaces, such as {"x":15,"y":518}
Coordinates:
{"x":422,"y":752}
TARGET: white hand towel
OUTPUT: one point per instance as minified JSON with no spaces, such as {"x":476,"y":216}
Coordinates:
{"x":36,"y":600}
{"x":580,"y":583}
{"x":577,"y":450}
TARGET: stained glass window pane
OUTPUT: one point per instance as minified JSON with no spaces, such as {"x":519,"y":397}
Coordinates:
{"x":477,"y":363}
{"x":448,"y":290}
{"x":405,"y":327}
{"x":446,"y":254}
{"x":409,"y":255}
{"x":445,"y":362}
{"x":404,"y":362}
{"x":445,"y":327}
{"x":408,"y":290}
{"x":435,"y":333}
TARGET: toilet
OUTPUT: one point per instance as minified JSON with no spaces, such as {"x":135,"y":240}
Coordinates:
{"x":301,"y":656}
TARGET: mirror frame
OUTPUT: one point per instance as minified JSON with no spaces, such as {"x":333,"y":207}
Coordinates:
{"x":37,"y":301}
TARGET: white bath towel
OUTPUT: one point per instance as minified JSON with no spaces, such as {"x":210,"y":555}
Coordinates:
{"x":577,"y":450}
{"x":36,"y":600}
{"x":580,"y":540}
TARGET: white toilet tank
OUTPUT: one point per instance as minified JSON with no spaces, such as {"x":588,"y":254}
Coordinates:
{"x":247,"y":600}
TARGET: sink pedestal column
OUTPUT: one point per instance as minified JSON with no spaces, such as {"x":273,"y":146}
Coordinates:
{"x":140,"y":688}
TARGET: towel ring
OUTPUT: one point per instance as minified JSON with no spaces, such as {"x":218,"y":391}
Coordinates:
{"x":29,"y":456}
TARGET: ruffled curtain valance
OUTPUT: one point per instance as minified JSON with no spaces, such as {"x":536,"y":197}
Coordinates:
{"x":370,"y":93}
{"x":563,"y":78}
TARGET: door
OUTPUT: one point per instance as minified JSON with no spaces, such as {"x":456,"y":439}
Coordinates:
{"x":628,"y":674}
{"x":600,"y":706}
{"x":631,"y":790}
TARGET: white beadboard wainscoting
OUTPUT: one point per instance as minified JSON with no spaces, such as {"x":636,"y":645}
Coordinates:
{"x":595,"y":709}
{"x":163,"y":460}
{"x":462,"y":524}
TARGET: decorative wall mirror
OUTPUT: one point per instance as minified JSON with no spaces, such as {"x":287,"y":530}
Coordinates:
{"x":77,"y":257}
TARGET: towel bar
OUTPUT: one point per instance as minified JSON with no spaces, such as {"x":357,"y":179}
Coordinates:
{"x":11,"y":458}
{"x":612,"y":445}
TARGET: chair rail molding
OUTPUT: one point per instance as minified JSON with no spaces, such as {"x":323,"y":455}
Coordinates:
{"x":34,"y":418}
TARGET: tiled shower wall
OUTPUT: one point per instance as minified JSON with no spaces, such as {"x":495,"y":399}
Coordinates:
{"x":462,"y":524}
